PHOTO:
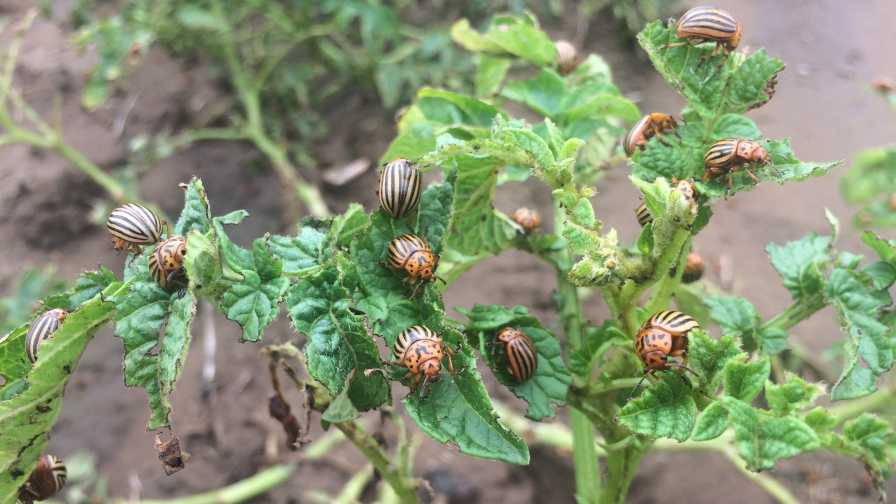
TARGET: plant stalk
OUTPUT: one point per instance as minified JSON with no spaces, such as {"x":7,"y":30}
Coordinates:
{"x":587,"y":470}
{"x":404,"y":487}
{"x":236,"y":493}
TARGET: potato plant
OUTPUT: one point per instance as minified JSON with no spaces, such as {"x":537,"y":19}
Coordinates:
{"x":332,"y":279}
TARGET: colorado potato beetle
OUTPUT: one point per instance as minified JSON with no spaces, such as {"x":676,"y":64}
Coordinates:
{"x":166,"y":263}
{"x":662,"y":342}
{"x":522,"y":360}
{"x":693,"y":268}
{"x":42,"y":329}
{"x":399,"y":188}
{"x":643,"y":215}
{"x":421,"y":350}
{"x":726,"y":156}
{"x":133,"y":225}
{"x":46,"y":480}
{"x":414,"y":256}
{"x":567,"y":59}
{"x":707,"y":24}
{"x":527,"y":218}
{"x":654,"y":124}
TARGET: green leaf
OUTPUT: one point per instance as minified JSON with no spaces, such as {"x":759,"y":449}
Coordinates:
{"x":773,"y":340}
{"x":744,"y":380}
{"x":457,"y":410}
{"x":711,"y":423}
{"x":203,"y":264}
{"x":339,"y":350}
{"x":712,"y":85}
{"x":763,"y":439}
{"x":550,"y":382}
{"x":543,"y":93}
{"x":663,"y":410}
{"x":434,"y":216}
{"x":874,"y":439}
{"x":736,"y":316}
{"x":509,"y":35}
{"x":26,"y":418}
{"x":476,"y":227}
{"x":490,"y":74}
{"x":870,"y":183}
{"x":196,"y":214}
{"x":597,"y":341}
{"x":340,"y":409}
{"x":801,"y":264}
{"x":793,"y":395}
{"x":821,"y":420}
{"x":303,"y":253}
{"x":14,"y":363}
{"x":88,"y":285}
{"x":174,"y":344}
{"x":252,"y":300}
{"x":708,"y":356}
{"x":347,"y":226}
{"x":885,"y":249}
{"x":869,"y":350}
{"x":140,"y":314}
{"x":196,"y":18}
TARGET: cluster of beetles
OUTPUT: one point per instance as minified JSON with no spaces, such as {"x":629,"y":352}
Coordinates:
{"x":661,"y":342}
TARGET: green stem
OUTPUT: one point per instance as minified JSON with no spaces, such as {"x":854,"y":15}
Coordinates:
{"x":404,"y":487}
{"x":587,"y":470}
{"x":255,"y":131}
{"x":238,"y":492}
{"x":665,"y":284}
{"x":794,"y":314}
{"x":848,"y":410}
{"x":621,"y":468}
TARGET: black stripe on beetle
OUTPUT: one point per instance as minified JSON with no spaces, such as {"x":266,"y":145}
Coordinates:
{"x":399,"y":188}
{"x":42,"y":329}
{"x":133,"y":225}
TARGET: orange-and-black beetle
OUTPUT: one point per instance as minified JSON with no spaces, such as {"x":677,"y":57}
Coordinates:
{"x":133,"y":225}
{"x":420,"y":350}
{"x":693,"y":268}
{"x":708,"y":24}
{"x":522,"y":359}
{"x":42,"y":329}
{"x":726,"y":156}
{"x":527,"y":218}
{"x":45,"y":481}
{"x":166,"y":263}
{"x":413,"y":255}
{"x":653,"y":124}
{"x":662,"y":342}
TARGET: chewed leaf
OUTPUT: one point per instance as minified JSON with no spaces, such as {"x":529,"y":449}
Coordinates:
{"x":549,"y":384}
{"x":338,"y":344}
{"x":663,"y":410}
{"x":196,"y":214}
{"x":763,"y":439}
{"x":457,"y":410}
{"x":26,"y":418}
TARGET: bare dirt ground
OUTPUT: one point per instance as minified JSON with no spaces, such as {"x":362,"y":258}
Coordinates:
{"x":823,"y":103}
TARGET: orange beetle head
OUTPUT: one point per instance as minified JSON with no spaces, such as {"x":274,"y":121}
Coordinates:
{"x":431,"y":367}
{"x":734,"y":41}
{"x":752,"y":151}
{"x":655,"y":360}
{"x":59,"y":313}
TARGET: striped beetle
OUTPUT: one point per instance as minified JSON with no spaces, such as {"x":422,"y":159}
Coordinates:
{"x":420,"y":350}
{"x":653,"y":124}
{"x":414,"y":256}
{"x":45,"y":481}
{"x":527,"y":218}
{"x":662,"y":342}
{"x":166,"y":263}
{"x":708,"y":24}
{"x":522,"y":360}
{"x":643,"y":215}
{"x":726,"y":156}
{"x":133,"y":225}
{"x":42,"y":329}
{"x":399,"y":188}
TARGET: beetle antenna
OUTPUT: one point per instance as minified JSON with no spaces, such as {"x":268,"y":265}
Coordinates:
{"x":632,"y":393}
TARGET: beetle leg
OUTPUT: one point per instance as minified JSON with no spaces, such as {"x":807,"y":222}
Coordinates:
{"x":676,"y":44}
{"x":752,"y":175}
{"x":423,"y":387}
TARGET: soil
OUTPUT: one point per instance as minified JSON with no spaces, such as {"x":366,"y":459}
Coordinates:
{"x":823,"y":103}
